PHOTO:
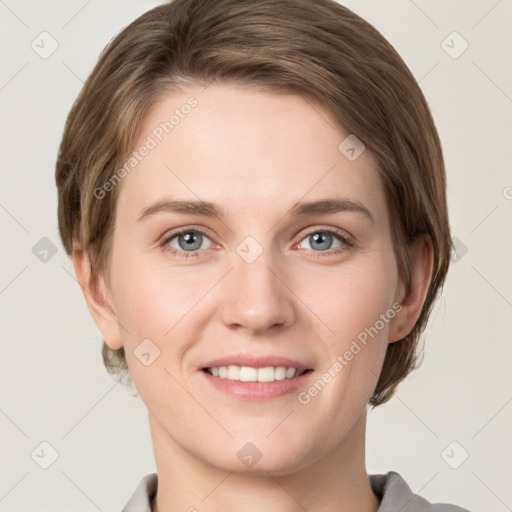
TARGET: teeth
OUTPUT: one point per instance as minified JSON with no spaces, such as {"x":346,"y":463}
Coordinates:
{"x":249,"y":374}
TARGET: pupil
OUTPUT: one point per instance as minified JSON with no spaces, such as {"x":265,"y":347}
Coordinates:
{"x":190,"y":239}
{"x":322,"y":237}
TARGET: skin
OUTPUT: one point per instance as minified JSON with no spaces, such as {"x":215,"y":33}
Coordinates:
{"x":255,"y":154}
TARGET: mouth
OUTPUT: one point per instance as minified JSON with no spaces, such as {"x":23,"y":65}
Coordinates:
{"x":252,"y":374}
{"x":256,"y":384}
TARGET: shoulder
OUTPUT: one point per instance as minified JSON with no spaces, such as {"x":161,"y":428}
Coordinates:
{"x":140,"y":500}
{"x":395,"y":494}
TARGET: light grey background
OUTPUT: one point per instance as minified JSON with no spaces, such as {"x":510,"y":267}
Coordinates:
{"x":53,"y":386}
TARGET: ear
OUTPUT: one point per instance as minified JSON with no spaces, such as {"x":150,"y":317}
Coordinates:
{"x":97,"y":298}
{"x":412,"y":300}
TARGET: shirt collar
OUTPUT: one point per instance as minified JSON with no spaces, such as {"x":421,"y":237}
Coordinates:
{"x":390,"y":488}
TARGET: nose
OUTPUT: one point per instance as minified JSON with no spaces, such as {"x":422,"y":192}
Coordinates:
{"x":257,"y":296}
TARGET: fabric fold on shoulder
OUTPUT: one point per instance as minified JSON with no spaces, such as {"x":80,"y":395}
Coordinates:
{"x":140,"y":501}
{"x":396,"y":495}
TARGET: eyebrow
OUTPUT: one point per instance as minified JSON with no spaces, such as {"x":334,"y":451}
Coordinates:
{"x":300,"y":209}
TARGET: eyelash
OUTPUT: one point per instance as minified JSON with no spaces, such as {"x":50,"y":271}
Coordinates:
{"x":347,"y":240}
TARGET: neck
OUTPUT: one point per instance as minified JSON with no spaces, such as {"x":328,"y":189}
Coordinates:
{"x":336,"y":481}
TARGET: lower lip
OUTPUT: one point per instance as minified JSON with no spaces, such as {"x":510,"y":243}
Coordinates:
{"x":257,"y":391}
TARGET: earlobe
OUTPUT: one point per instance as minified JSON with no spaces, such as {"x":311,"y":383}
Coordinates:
{"x":412,"y":300}
{"x":96,"y":296}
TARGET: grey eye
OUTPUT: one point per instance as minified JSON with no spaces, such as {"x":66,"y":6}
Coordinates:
{"x":320,"y":240}
{"x":188,"y":240}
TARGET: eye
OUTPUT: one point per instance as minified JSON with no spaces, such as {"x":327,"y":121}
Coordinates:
{"x":186,"y":243}
{"x":321,"y":240}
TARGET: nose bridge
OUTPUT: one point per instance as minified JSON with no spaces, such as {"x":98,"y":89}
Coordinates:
{"x":256,"y":296}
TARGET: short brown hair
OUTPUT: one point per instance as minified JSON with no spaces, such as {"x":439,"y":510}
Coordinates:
{"x":317,"y":49}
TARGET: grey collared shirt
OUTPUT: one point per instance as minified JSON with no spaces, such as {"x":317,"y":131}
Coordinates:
{"x":391,"y":488}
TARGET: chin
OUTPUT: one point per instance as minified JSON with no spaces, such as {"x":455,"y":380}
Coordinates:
{"x":260,"y":459}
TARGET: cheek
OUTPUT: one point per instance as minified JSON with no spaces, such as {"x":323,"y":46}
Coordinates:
{"x":166,"y":307}
{"x":356,"y":307}
{"x":154,"y":301}
{"x":350,"y":301}
{"x":156,"y":312}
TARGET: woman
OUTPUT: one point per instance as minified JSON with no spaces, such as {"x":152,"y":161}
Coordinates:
{"x":253,"y":195}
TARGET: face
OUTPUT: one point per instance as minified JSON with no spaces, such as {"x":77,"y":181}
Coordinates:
{"x":254,"y":279}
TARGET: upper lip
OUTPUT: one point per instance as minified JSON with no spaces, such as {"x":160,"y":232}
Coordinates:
{"x":255,"y":361}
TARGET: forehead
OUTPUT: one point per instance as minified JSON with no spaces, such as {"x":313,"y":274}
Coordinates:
{"x":245,"y":149}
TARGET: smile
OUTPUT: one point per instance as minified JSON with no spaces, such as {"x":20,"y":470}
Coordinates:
{"x":250,"y":374}
{"x":260,"y":384}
